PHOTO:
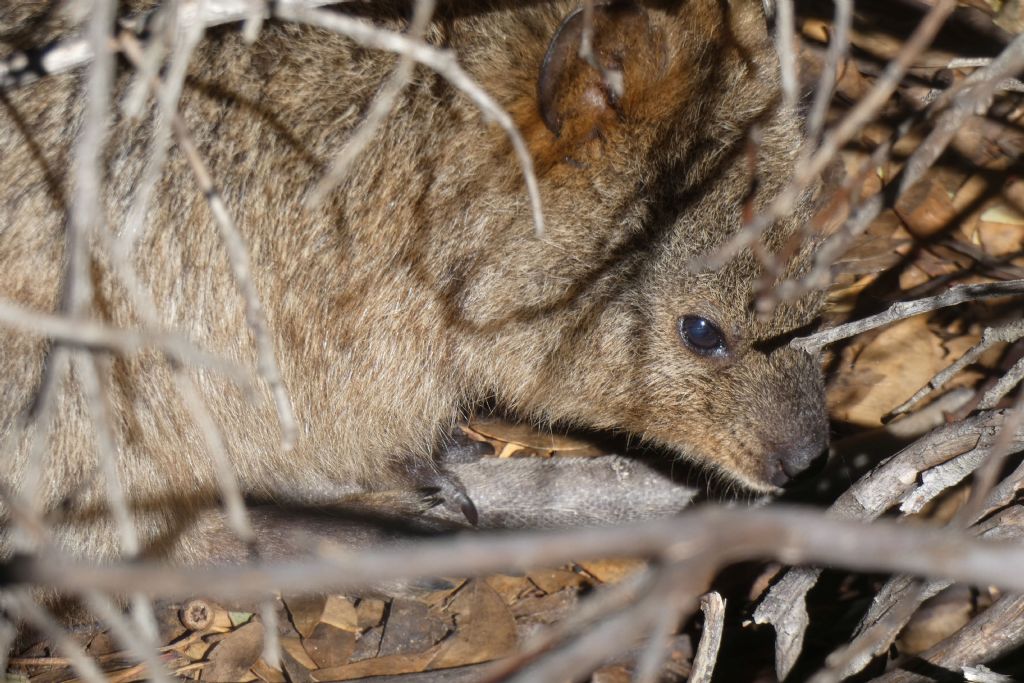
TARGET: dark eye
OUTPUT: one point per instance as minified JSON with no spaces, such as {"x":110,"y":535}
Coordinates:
{"x":701,"y":335}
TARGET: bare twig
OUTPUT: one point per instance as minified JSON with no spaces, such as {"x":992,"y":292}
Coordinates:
{"x":379,"y":109}
{"x":714,"y":535}
{"x":19,"y":69}
{"x":612,"y":78}
{"x":441,"y":61}
{"x":168,"y":93}
{"x":905,"y":309}
{"x":213,"y":439}
{"x":85,"y":367}
{"x":868,"y":498}
{"x":238,"y":257}
{"x":675,"y":604}
{"x":983,"y":674}
{"x":142,"y":649}
{"x":985,"y":477}
{"x":97,"y":336}
{"x":838,"y":46}
{"x":785,"y":36}
{"x":974,"y":98}
{"x":865,"y":109}
{"x":704,"y":660}
{"x":898,"y":600}
{"x":271,"y":640}
{"x":31,"y":533}
{"x":25,"y":608}
{"x":603,"y":603}
{"x":998,"y":630}
{"x":990,"y":337}
{"x":1005,"y":385}
{"x":872,"y":641}
{"x":617,"y":634}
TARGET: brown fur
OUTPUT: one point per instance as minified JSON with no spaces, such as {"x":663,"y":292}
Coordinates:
{"x":419,"y":288}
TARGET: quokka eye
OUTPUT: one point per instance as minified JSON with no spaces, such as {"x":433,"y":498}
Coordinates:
{"x":701,"y":335}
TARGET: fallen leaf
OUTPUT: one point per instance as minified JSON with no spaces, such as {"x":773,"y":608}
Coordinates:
{"x":235,"y":654}
{"x":305,"y":611}
{"x":889,"y":369}
{"x":293,"y":646}
{"x":486,"y":629}
{"x":369,"y":613}
{"x":612,"y":570}
{"x":554,"y":580}
{"x":329,"y":646}
{"x":411,"y":626}
{"x":265,"y":672}
{"x":341,"y":613}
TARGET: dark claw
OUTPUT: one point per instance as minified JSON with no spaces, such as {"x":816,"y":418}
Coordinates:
{"x":441,"y":487}
{"x":469,"y":510}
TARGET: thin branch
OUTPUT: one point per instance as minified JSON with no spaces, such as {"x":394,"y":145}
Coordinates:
{"x":873,"y":494}
{"x":905,"y":309}
{"x":1005,"y":385}
{"x":674,"y":605}
{"x":441,"y":61}
{"x":985,"y":476}
{"x":990,"y":337}
{"x":997,"y":631}
{"x":714,"y":535}
{"x":838,"y":46}
{"x":168,"y":93}
{"x":866,"y":108}
{"x":785,"y":35}
{"x":141,"y":649}
{"x":271,"y":640}
{"x":893,"y":606}
{"x":379,"y":109}
{"x":238,"y":257}
{"x":213,"y":439}
{"x":973,"y":98}
{"x":19,"y":68}
{"x":871,"y":642}
{"x":97,"y":336}
{"x":25,"y":608}
{"x":704,"y":660}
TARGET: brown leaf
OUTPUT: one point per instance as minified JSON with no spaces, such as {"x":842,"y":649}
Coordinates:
{"x":938,"y":618}
{"x":369,"y":613}
{"x":305,"y":611}
{"x":379,"y":666}
{"x":511,"y":588}
{"x":926,"y":208}
{"x":545,"y":609}
{"x":411,"y":626}
{"x":525,"y":436}
{"x":265,"y":672}
{"x":329,"y":646}
{"x":891,"y":367}
{"x":554,"y":580}
{"x":341,"y":613}
{"x":233,"y":656}
{"x":612,"y":570}
{"x":293,"y":646}
{"x":486,"y":628}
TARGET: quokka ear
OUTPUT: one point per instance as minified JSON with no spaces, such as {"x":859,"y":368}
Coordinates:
{"x":576,"y":100}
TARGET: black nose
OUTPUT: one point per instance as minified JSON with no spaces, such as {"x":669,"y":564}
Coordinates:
{"x":793,"y":460}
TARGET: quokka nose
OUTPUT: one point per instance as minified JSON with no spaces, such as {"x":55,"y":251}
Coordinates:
{"x":791,"y":460}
